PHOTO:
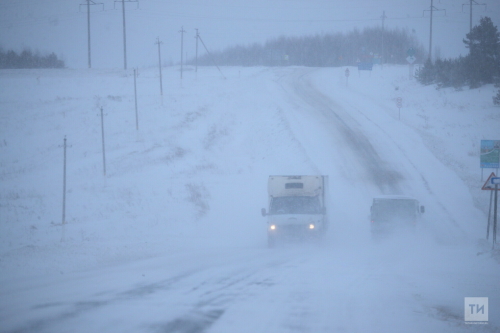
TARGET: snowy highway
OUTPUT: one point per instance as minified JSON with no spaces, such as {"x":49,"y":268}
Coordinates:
{"x":131,"y":259}
{"x":297,"y":289}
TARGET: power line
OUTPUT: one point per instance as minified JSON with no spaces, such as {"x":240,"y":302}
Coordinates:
{"x":161,"y":14}
{"x":27,"y":21}
{"x":201,"y":40}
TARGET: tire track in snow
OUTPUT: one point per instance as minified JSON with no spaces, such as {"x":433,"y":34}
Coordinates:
{"x":79,"y":308}
{"x":377,"y":170}
{"x":301,"y":148}
{"x":215,"y":295}
{"x":407,"y":158}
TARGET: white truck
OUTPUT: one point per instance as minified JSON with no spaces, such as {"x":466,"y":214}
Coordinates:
{"x":297,"y":207}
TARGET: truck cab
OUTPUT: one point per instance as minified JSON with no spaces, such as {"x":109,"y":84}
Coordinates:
{"x":296,"y":207}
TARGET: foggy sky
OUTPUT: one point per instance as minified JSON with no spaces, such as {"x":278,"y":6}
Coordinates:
{"x":60,"y":26}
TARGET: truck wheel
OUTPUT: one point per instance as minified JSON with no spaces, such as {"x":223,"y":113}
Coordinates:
{"x":271,"y":242}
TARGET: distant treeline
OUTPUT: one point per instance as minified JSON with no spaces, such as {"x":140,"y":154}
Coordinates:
{"x":28,"y":59}
{"x":326,"y":50}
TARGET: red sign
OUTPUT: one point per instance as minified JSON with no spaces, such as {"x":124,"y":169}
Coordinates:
{"x":488,"y":185}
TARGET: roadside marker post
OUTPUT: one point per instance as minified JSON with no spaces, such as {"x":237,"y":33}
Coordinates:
{"x":399,"y":104}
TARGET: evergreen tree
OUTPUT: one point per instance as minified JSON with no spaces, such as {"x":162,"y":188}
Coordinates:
{"x":480,"y":66}
{"x":483,"y":61}
{"x":496,"y":99}
{"x":427,"y":75}
{"x":450,"y":73}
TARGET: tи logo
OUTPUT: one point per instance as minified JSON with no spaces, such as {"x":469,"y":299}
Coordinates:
{"x":476,"y":310}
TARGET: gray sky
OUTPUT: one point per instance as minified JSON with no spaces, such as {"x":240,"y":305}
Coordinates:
{"x":60,"y":26}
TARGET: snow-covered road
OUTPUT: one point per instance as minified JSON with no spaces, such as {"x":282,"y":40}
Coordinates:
{"x":337,"y":288}
{"x":348,"y":283}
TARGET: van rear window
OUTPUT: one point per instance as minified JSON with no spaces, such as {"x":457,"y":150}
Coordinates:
{"x":294,"y":185}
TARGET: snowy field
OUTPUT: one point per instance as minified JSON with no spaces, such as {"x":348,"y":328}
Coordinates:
{"x":171,"y":239}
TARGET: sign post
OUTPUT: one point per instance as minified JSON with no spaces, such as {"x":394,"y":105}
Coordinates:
{"x":411,"y":59}
{"x":492,"y":184}
{"x":495,"y":181}
{"x":399,"y":104}
{"x":346,"y":75}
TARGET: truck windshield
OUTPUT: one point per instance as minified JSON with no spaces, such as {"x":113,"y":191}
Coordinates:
{"x":394,"y":209}
{"x":295,"y":205}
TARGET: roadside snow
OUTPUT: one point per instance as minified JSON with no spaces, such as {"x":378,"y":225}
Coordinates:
{"x":175,"y":222}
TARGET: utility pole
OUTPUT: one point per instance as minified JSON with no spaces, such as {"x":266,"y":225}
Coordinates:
{"x":125,"y":31}
{"x":64,"y":183}
{"x":135,"y":98}
{"x":430,"y":34}
{"x":103,"y":145}
{"x":182,"y":31}
{"x":472,"y":3}
{"x":470,"y":25}
{"x":159,"y":63}
{"x":124,"y":40}
{"x":89,"y":2}
{"x":196,"y":57}
{"x":432,"y":9}
{"x":88,"y":37}
{"x":383,"y":17}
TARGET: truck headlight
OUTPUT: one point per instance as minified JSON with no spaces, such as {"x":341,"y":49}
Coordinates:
{"x":272,"y":227}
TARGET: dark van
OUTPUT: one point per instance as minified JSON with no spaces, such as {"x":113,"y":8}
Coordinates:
{"x":390,"y":213}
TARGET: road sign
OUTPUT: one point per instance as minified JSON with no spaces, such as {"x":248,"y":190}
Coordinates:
{"x":365,"y":66}
{"x":489,"y":185}
{"x":490,"y":154}
{"x":495,"y":180}
{"x":410,"y":52}
{"x":411,"y":59}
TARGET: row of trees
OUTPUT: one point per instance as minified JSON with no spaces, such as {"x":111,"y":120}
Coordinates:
{"x":28,"y":59}
{"x":481,"y":66}
{"x":337,"y":49}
